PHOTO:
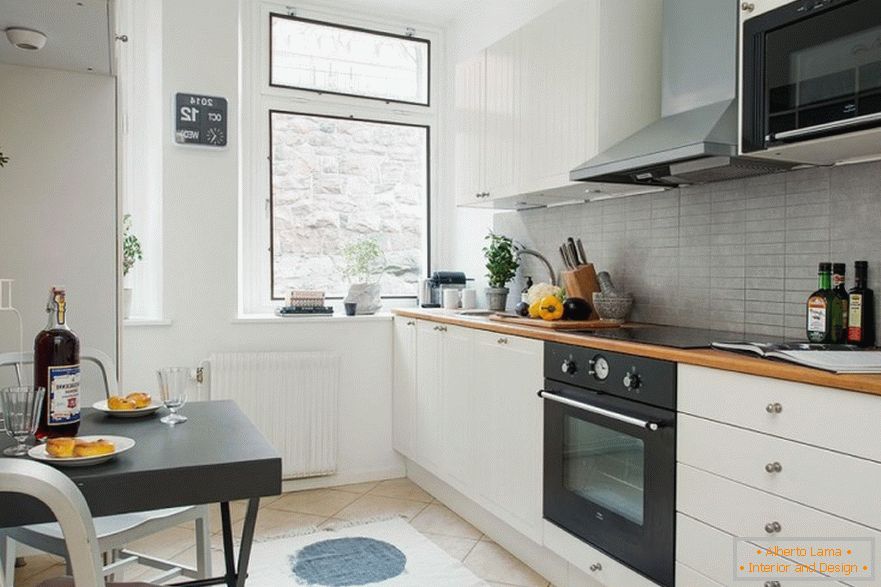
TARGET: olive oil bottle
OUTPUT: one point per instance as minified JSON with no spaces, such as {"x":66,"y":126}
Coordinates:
{"x":820,"y":307}
{"x":840,"y":308}
{"x":861,"y":324}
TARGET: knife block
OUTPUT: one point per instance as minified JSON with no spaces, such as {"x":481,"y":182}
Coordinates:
{"x":582,"y":283}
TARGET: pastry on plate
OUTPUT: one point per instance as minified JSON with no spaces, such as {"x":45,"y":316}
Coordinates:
{"x":116,"y":402}
{"x":61,"y":448}
{"x":93,"y":448}
{"x":141,"y":399}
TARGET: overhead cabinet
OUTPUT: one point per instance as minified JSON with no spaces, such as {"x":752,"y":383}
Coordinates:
{"x":549,"y":96}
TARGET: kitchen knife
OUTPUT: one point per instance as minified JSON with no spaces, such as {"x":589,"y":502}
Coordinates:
{"x":573,"y":252}
{"x":581,"y":251}
{"x":564,"y":257}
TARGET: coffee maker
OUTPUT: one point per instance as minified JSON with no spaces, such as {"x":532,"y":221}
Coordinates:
{"x":432,"y":293}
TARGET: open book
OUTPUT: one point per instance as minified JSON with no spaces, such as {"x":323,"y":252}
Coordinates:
{"x":837,"y":358}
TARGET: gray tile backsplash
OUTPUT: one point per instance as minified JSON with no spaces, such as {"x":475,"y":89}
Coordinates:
{"x":739,"y":255}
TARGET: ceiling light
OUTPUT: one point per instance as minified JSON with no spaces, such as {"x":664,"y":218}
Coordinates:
{"x":26,"y":39}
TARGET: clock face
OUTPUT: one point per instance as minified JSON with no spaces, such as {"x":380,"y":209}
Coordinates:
{"x":215,"y":136}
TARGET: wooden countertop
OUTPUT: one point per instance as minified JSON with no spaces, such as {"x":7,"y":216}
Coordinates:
{"x":711,"y":358}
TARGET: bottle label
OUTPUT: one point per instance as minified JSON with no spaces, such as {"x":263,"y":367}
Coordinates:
{"x":816,"y":315}
{"x":854,"y":330}
{"x":837,"y":280}
{"x":64,"y":395}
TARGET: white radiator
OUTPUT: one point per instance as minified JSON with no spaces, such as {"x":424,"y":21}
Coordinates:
{"x":291,"y":398}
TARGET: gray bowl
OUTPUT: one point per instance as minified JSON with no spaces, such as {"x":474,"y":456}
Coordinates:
{"x":612,"y":307}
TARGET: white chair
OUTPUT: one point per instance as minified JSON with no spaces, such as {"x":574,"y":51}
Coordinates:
{"x":69,"y":507}
{"x":114,"y":532}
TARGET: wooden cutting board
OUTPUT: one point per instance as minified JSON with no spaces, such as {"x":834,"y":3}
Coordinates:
{"x":557,"y":324}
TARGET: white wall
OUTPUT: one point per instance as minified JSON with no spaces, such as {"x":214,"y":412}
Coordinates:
{"x":200,"y":227}
{"x":58,"y":204}
{"x":462,"y":230}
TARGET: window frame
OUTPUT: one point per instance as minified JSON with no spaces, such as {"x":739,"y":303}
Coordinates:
{"x":412,"y":38}
{"x":257,"y":97}
{"x":426,"y":238}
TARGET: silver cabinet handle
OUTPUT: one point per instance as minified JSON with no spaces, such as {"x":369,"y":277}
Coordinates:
{"x":772,"y":583}
{"x":502,"y":340}
{"x":747,"y":6}
{"x":773,"y":527}
{"x":827,"y":126}
{"x":599,"y":411}
{"x":596,"y":567}
{"x":774,"y":408}
{"x":774,"y":467}
{"x":411,"y":323}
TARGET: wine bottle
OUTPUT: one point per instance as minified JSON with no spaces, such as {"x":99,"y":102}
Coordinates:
{"x":840,"y":305}
{"x":861,"y":326}
{"x":57,"y":370}
{"x":819,"y":323}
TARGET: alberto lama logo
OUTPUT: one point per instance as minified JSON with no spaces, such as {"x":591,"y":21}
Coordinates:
{"x":806,"y":558}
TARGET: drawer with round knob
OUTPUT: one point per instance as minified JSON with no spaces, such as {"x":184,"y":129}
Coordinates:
{"x":842,"y":485}
{"x":835,"y":419}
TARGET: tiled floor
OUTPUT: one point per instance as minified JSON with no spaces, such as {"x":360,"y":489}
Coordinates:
{"x":320,"y":507}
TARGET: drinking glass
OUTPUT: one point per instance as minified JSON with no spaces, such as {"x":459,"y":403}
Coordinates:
{"x":22,"y":407}
{"x":174,"y":387}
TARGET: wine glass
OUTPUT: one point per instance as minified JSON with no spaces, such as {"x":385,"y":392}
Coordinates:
{"x":22,"y":407}
{"x":174,"y":387}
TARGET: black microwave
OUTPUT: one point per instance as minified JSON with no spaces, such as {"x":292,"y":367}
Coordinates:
{"x":811,"y":81}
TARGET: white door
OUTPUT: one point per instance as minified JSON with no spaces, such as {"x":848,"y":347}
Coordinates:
{"x":404,"y":397}
{"x":456,"y":393}
{"x":428,"y":442}
{"x":507,"y":378}
{"x":469,"y":130}
{"x":501,"y":109}
{"x":557,"y":116}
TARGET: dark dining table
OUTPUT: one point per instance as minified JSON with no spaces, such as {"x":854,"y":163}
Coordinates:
{"x":217,"y":456}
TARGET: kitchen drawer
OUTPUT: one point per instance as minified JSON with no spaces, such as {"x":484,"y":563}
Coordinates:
{"x":830,"y":418}
{"x":830,"y":481}
{"x":688,"y":577}
{"x":606,"y":570}
{"x":739,"y":510}
{"x":705,"y":558}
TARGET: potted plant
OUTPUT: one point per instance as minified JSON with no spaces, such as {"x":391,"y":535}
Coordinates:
{"x":364,"y":265}
{"x":501,"y":266}
{"x":131,"y":253}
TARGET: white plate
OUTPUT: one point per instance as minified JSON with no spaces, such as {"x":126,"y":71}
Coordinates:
{"x":38,"y":453}
{"x":101,"y":406}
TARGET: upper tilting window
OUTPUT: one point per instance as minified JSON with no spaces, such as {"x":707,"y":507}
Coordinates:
{"x":336,"y":59}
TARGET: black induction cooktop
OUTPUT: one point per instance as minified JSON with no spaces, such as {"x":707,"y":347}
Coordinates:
{"x":674,"y":336}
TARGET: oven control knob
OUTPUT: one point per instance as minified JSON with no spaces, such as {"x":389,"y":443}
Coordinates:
{"x":632,"y":381}
{"x":568,"y":367}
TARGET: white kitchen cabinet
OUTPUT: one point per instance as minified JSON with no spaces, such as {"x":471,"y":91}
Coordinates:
{"x":404,"y":385}
{"x":457,"y":410}
{"x":507,"y":377}
{"x":469,"y":130}
{"x":549,"y":96}
{"x":427,"y":438}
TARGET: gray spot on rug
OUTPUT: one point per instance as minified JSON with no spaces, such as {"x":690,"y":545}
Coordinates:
{"x":346,"y":562}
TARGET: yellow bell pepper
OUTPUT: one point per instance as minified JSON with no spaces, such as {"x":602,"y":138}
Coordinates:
{"x":535,"y":309}
{"x":551,"y":308}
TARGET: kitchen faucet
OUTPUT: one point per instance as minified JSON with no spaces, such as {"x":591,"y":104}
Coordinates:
{"x":524,"y":251}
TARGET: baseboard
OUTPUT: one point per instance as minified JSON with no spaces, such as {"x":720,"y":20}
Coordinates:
{"x":346,"y":478}
{"x":544,"y":561}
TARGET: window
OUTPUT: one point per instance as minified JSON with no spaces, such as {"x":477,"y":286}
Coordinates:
{"x":337,"y":181}
{"x":338,"y":143}
{"x":324,"y":57}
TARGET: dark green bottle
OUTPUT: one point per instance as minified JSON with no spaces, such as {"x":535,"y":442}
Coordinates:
{"x":820,"y":304}
{"x":840,"y":305}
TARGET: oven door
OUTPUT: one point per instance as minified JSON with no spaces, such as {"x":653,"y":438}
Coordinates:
{"x":811,"y":69}
{"x":609,"y":476}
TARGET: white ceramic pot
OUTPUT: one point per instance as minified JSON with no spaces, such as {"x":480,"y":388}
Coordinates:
{"x":367,"y":296}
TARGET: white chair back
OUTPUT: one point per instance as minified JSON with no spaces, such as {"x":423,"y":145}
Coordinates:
{"x":87,"y":354}
{"x":69,"y":507}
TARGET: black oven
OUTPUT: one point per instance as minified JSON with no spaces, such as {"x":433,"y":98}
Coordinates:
{"x":811,"y":69}
{"x":610,"y":454}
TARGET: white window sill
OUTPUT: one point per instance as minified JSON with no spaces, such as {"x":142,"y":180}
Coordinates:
{"x":336,"y":319}
{"x":132,"y":322}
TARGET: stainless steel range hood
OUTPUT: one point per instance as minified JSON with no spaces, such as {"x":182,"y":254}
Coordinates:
{"x":695,"y":140}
